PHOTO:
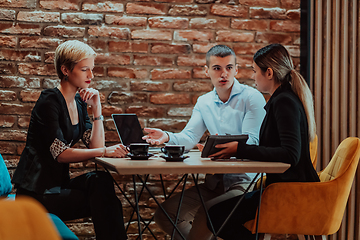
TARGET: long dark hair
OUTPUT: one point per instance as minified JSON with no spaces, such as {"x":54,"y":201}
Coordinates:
{"x":276,"y":57}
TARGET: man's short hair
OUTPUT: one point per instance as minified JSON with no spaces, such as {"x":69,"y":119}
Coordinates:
{"x":219,"y":51}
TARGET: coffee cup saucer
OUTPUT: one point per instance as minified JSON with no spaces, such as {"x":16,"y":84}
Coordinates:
{"x":174,"y":159}
{"x":139,"y":157}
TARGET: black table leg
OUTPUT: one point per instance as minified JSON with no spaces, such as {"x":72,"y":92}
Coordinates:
{"x":137,"y":207}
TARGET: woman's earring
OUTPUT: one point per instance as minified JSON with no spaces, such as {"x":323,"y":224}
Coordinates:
{"x":66,"y":77}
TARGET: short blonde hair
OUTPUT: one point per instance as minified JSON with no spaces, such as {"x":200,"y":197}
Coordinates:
{"x":69,"y":53}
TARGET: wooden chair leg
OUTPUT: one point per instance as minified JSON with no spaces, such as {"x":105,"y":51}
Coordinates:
{"x":267,"y":236}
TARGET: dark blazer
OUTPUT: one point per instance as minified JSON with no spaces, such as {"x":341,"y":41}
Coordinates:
{"x":50,"y":123}
{"x":283,"y":138}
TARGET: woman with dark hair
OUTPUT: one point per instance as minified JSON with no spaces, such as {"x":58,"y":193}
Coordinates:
{"x":285,"y":133}
{"x":58,"y":121}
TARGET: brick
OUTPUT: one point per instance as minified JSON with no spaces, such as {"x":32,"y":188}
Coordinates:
{"x":63,"y":31}
{"x":18,"y":3}
{"x":7,"y":68}
{"x":202,"y":47}
{"x":285,"y":26}
{"x":193,"y":35}
{"x":39,"y":42}
{"x":180,"y":111}
{"x":121,"y":98}
{"x":61,"y":5}
{"x":17,"y":109}
{"x":249,"y":24}
{"x":103,"y":6}
{"x":266,"y":37}
{"x":143,"y":111}
{"x":110,"y":85}
{"x":149,"y":86}
{"x":267,"y":13}
{"x":51,"y":83}
{"x":188,"y":10}
{"x":23,"y":122}
{"x":294,"y":51}
{"x":20,"y":28}
{"x":290,"y":3}
{"x":15,"y":55}
{"x":170,"y":48}
{"x":267,"y":3}
{"x":293,"y":14}
{"x":199,"y":73}
{"x":7,"y":148}
{"x":7,"y":15}
{"x":29,"y":95}
{"x":247,"y":48}
{"x":146,"y":8}
{"x":209,"y":23}
{"x":229,"y":10}
{"x":175,"y":1}
{"x":158,"y":35}
{"x":127,"y":21}
{"x":112,"y":59}
{"x":246,"y":73}
{"x":167,"y":124}
{"x":8,"y":41}
{"x":108,"y":110}
{"x":152,"y":61}
{"x":39,"y":16}
{"x":7,"y":121}
{"x":231,"y":36}
{"x":99,"y":45}
{"x":49,"y":57}
{"x":170,"y":74}
{"x":193,"y":86}
{"x":7,"y":95}
{"x":168,"y":22}
{"x":112,"y":32}
{"x":36,"y":69}
{"x":19,"y":82}
{"x":244,"y":61}
{"x":192,"y":60}
{"x":132,"y":47}
{"x":82,"y":18}
{"x":170,"y":98}
{"x":127,"y":72}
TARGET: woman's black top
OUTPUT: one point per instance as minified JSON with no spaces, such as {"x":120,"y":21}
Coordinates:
{"x":50,"y":133}
{"x":283,"y":138}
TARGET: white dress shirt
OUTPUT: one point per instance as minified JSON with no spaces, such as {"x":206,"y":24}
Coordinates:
{"x":242,"y":113}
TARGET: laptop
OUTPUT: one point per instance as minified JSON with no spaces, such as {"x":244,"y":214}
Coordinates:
{"x":129,"y":129}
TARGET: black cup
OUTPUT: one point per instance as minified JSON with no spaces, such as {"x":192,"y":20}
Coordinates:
{"x":137,"y":149}
{"x":173,"y":151}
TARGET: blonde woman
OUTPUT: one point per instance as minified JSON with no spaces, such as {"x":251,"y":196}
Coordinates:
{"x":285,"y":133}
{"x":58,"y":121}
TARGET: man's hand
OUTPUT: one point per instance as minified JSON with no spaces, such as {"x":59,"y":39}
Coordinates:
{"x":200,"y":146}
{"x":229,"y":150}
{"x":155,"y":136}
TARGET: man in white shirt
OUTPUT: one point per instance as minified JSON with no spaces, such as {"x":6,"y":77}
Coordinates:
{"x":231,"y":108}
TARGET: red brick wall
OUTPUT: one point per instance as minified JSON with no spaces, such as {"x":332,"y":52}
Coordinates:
{"x":150,"y":62}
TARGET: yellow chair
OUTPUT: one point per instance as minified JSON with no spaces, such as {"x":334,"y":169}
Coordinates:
{"x":313,"y":156}
{"x":310,"y":208}
{"x":25,"y":219}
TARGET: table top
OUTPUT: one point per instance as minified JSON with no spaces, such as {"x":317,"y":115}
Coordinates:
{"x":193,"y":164}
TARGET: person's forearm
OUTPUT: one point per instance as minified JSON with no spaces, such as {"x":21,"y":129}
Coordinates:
{"x":97,"y":139}
{"x":72,"y":155}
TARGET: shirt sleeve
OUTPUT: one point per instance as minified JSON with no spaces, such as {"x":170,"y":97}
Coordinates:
{"x":192,"y":132}
{"x":254,"y":116}
{"x":88,"y":125}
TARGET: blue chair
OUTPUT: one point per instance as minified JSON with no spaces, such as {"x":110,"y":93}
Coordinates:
{"x":5,"y":188}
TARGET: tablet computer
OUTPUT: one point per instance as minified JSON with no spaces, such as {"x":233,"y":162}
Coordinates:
{"x":213,"y":140}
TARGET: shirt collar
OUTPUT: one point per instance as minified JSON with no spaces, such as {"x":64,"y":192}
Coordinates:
{"x":237,"y":88}
{"x":282,"y":88}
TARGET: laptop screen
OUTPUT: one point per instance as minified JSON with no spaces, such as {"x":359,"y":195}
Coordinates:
{"x":128,"y":128}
